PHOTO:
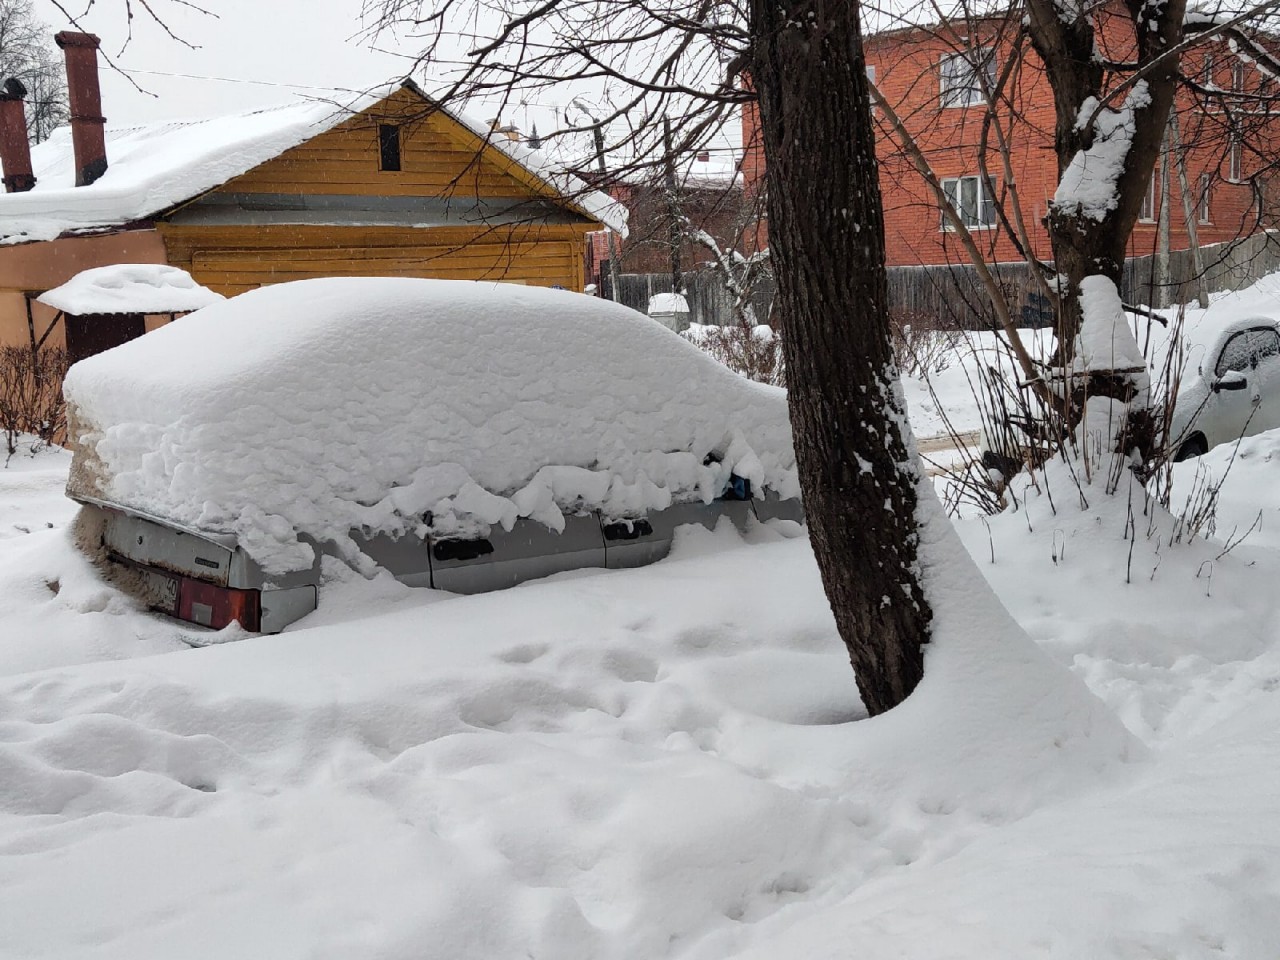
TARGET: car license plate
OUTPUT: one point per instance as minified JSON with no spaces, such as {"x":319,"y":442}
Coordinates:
{"x":162,"y":591}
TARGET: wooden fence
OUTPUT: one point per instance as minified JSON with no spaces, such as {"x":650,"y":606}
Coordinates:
{"x":709,"y":301}
{"x":954,"y":295}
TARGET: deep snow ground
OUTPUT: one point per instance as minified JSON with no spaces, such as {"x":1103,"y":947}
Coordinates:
{"x":660,"y":763}
{"x":664,"y":763}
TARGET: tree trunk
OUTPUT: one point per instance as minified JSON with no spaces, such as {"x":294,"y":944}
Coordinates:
{"x":826,"y":237}
{"x":1083,"y":245}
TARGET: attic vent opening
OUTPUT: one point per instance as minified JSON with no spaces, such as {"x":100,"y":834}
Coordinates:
{"x":389,"y":146}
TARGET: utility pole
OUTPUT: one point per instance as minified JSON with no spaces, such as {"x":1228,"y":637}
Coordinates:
{"x":614,"y":273}
{"x":597,"y":134}
{"x":675,"y":229}
{"x":1189,"y":211}
{"x":1164,"y":291}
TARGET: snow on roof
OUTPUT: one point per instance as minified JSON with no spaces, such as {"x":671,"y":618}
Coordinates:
{"x":155,"y":166}
{"x":721,"y":170}
{"x":130,"y":288}
{"x":366,"y":403}
{"x":597,"y":204}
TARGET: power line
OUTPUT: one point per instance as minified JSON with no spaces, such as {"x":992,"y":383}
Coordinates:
{"x":260,"y":83}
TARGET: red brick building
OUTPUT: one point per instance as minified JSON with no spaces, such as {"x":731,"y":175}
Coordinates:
{"x":708,"y":192}
{"x":930,"y":79}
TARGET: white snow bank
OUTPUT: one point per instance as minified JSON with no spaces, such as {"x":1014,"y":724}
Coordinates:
{"x":1181,"y":640}
{"x":1105,"y":341}
{"x":992,"y":708}
{"x":1181,"y":862}
{"x":323,"y":406}
{"x":130,"y":288}
{"x":1088,"y":185}
{"x":664,"y":763}
{"x":661,"y":763}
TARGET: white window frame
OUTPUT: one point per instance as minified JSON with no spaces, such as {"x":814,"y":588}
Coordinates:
{"x":984,"y":216}
{"x":1204,"y":212}
{"x":962,"y":88}
{"x":1147,"y":212}
{"x":1235,"y":159}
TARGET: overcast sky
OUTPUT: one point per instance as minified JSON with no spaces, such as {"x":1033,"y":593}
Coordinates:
{"x":261,"y":52}
{"x":254,"y":53}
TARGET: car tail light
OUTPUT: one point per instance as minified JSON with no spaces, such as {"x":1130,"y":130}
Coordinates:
{"x":213,"y":606}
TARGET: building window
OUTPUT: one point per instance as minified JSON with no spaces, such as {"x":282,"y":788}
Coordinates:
{"x":1203,"y":205}
{"x":962,"y":76}
{"x":1207,"y":73}
{"x":389,"y":146}
{"x":1237,"y":78}
{"x":973,"y":199}
{"x":1235,"y":159}
{"x":1147,"y":211}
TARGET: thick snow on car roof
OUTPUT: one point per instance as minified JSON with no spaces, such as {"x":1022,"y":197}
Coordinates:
{"x":323,"y":406}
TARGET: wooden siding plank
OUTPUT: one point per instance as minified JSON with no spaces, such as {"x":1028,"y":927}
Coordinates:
{"x":181,"y":240}
{"x":530,"y":250}
{"x":346,"y":160}
{"x":231,"y":260}
{"x":557,"y":267}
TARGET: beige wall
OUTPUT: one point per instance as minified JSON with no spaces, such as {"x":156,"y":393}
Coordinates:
{"x":37,"y":267}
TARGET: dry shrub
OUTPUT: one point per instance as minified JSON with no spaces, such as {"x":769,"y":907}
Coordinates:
{"x":753,"y":351}
{"x":31,"y":404}
{"x":923,"y":343}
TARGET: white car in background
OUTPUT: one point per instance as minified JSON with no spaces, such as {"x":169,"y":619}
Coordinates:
{"x":1235,"y":392}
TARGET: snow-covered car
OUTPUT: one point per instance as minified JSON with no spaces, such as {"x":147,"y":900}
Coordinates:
{"x":1235,"y":392}
{"x":464,"y":436}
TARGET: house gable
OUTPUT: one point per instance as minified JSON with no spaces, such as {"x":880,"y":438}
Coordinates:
{"x":458,"y":207}
{"x":449,"y":176}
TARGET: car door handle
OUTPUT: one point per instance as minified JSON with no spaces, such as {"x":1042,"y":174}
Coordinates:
{"x":628,"y":531}
{"x":461,"y":549}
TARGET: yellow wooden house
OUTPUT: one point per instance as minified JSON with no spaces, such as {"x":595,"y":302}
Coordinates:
{"x":391,"y":184}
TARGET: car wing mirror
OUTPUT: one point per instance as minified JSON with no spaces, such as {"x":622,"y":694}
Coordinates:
{"x":1231,"y":380}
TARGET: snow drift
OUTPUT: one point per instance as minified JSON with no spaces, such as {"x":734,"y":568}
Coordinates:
{"x":322,"y":406}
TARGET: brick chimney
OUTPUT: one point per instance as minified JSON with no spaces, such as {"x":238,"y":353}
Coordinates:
{"x":15,"y":150}
{"x":88,"y":136}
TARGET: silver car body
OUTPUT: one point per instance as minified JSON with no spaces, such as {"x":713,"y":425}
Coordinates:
{"x":1235,"y":392}
{"x":173,"y":567}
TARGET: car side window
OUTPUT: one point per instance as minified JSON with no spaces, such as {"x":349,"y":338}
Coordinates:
{"x":1236,"y":355}
{"x":1266,"y":344}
